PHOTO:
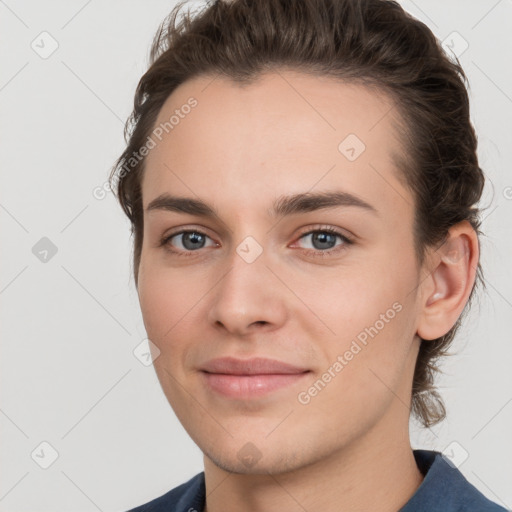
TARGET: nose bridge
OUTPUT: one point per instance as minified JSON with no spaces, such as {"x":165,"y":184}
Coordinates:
{"x":247,"y":293}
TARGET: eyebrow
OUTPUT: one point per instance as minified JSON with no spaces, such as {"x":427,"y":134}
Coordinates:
{"x":283,"y":206}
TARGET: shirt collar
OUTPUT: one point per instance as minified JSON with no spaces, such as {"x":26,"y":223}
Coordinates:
{"x":443,"y":488}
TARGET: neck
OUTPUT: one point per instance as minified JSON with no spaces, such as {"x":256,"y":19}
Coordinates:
{"x":376,"y":472}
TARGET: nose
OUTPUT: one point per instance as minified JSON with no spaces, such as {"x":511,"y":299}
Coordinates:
{"x":248,"y":299}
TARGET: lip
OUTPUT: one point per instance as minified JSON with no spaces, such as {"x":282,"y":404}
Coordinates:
{"x":250,"y":378}
{"x":253,"y":366}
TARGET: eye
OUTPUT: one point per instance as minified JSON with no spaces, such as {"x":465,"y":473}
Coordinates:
{"x":319,"y":242}
{"x":324,"y":241}
{"x":185,"y":242}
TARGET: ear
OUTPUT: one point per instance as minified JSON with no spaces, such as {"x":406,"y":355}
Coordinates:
{"x":452,"y":272}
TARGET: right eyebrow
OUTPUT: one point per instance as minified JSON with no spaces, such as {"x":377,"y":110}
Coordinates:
{"x":188,"y":205}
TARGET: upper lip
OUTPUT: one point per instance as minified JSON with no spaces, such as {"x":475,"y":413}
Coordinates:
{"x":254,"y":366}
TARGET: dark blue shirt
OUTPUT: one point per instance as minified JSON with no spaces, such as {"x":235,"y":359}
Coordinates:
{"x":444,"y":489}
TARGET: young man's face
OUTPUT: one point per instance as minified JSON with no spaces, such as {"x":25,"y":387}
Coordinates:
{"x":252,"y":284}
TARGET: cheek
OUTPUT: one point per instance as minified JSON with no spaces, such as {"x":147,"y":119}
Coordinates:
{"x":371,"y":307}
{"x":165,"y":298}
{"x":155,"y":304}
{"x":347,"y":303}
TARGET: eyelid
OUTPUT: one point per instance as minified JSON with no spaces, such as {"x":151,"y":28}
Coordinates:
{"x":327,"y":227}
{"x":187,"y":228}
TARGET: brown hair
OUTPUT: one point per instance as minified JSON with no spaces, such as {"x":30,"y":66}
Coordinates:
{"x":371,"y":42}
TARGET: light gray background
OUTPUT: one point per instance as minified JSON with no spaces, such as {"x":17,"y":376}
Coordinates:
{"x":70,"y":325}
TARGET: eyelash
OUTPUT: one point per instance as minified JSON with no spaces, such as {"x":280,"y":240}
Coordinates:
{"x":310,"y":252}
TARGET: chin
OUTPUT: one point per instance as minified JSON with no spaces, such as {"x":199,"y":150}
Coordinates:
{"x":263,"y":466}
{"x":283,"y":455}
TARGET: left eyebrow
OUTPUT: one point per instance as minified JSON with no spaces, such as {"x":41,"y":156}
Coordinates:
{"x":308,"y":202}
{"x":283,"y":206}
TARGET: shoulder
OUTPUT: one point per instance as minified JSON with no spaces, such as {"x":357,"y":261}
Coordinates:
{"x":187,"y":497}
{"x":445,"y":488}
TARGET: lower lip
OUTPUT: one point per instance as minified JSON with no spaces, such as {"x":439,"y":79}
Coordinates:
{"x":250,"y":386}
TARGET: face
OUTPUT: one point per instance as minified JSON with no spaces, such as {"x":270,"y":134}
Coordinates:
{"x":324,"y":286}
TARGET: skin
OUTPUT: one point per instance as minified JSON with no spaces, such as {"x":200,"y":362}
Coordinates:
{"x":238,"y":150}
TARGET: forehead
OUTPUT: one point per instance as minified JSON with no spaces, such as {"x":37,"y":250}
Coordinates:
{"x":287,"y":132}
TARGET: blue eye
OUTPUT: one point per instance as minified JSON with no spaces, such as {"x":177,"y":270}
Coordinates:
{"x":323,"y":242}
{"x":189,"y":240}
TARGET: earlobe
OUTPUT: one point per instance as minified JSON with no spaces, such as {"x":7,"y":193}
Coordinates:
{"x":448,"y":287}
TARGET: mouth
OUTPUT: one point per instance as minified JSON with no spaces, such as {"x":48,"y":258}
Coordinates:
{"x":250,"y":378}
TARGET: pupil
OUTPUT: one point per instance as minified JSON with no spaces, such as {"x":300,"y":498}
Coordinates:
{"x":324,"y":240}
